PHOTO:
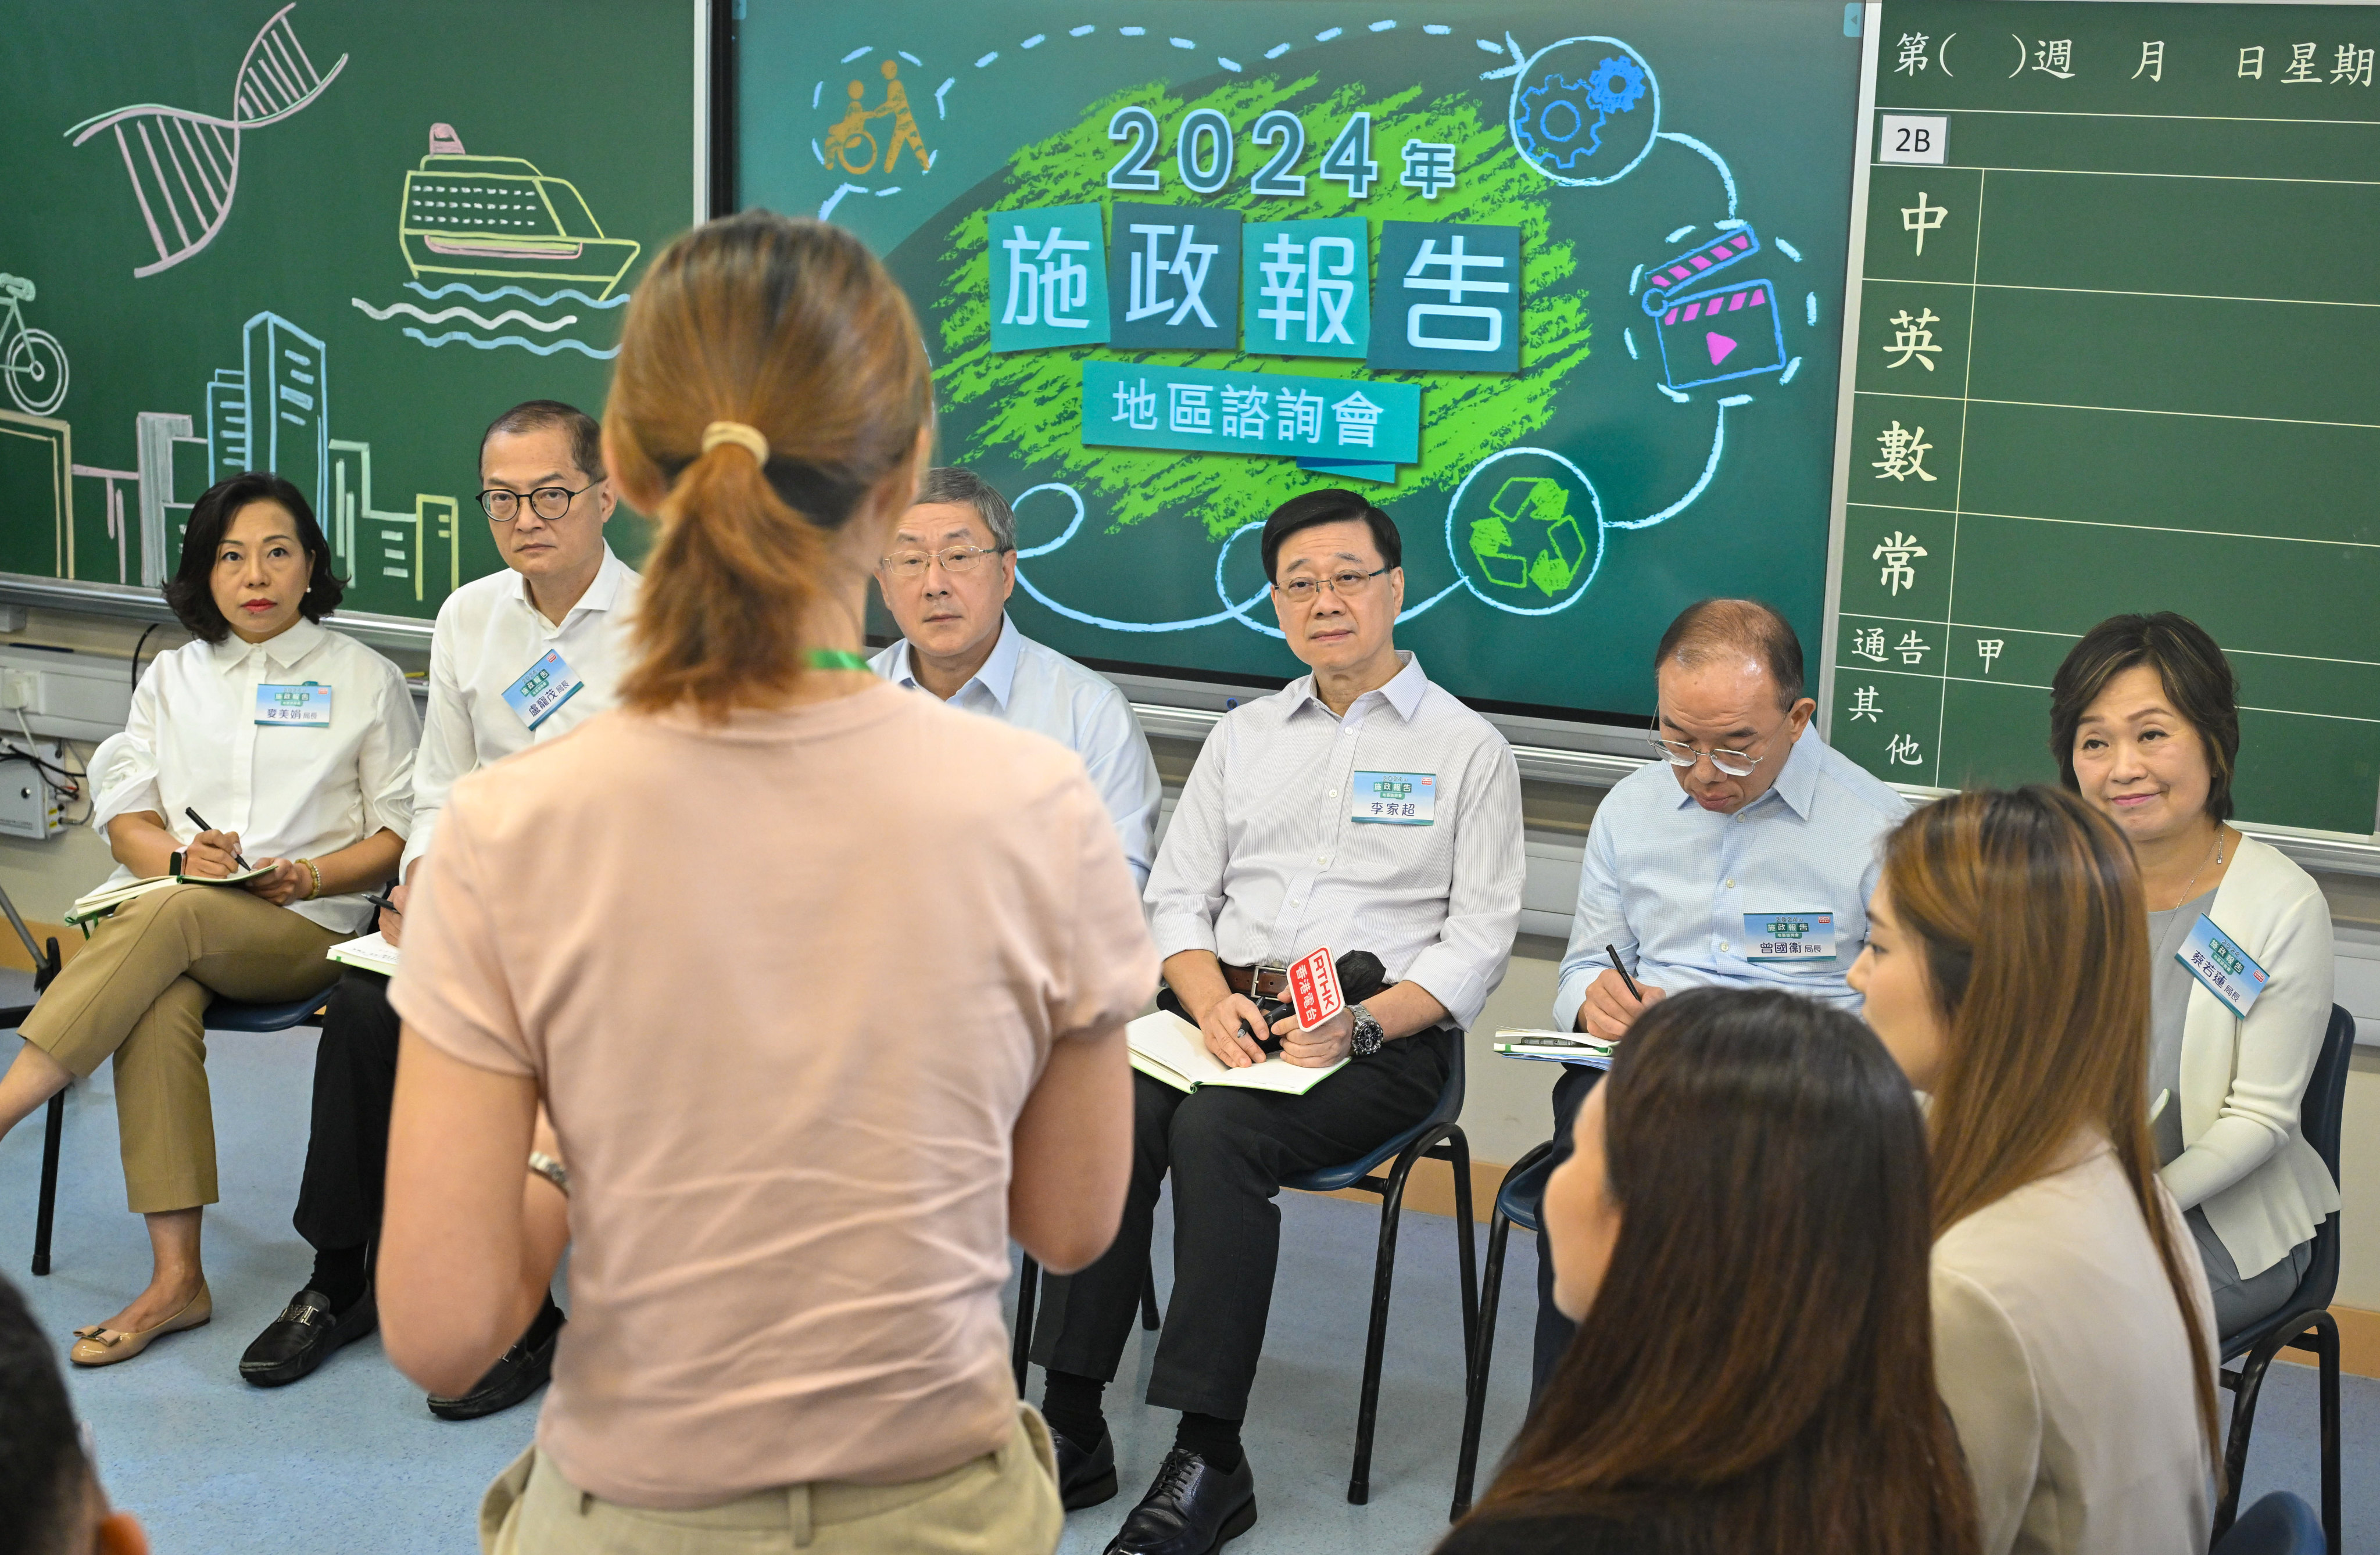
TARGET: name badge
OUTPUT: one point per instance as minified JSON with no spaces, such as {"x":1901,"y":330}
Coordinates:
{"x":2229,"y":973}
{"x":549,"y":683}
{"x":1800,"y":936}
{"x":294,"y":707}
{"x":1395,"y":798}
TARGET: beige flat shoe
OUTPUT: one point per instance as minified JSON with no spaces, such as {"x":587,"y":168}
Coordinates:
{"x":98,"y":1346}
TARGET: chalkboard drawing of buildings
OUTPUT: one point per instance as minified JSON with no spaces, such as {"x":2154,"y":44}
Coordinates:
{"x":184,"y":165}
{"x":272,"y":411}
{"x":36,"y":476}
{"x":499,"y":216}
{"x":1529,"y":537}
{"x":384,"y":554}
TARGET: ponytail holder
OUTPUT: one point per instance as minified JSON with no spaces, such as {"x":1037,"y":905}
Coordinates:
{"x":747,"y":438}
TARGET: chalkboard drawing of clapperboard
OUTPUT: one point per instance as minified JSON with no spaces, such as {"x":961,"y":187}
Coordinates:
{"x":1711,"y":333}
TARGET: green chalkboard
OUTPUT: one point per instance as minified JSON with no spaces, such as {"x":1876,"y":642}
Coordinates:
{"x":1588,"y":457}
{"x":2131,"y":319}
{"x":332,"y":239}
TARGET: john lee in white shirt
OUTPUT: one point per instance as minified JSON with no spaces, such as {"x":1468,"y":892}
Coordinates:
{"x":518,"y":658}
{"x":946,"y":579}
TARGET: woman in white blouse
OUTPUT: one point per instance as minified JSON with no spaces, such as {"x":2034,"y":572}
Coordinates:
{"x":299,"y":744}
{"x":2144,"y":720}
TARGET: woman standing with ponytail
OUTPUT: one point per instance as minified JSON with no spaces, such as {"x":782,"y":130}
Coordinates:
{"x":2006,"y":970}
{"x":822,"y":984}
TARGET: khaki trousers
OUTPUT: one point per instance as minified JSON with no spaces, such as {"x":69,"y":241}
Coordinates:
{"x":139,"y":990}
{"x":1003,"y":1504}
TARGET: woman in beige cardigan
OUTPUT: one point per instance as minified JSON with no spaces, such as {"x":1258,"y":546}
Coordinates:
{"x":2145,"y":721}
{"x":2006,"y":970}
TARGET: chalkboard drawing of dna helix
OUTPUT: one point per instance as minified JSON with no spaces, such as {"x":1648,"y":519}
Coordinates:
{"x":184,"y":165}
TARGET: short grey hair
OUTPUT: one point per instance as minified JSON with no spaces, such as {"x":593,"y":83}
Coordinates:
{"x":949,"y":483}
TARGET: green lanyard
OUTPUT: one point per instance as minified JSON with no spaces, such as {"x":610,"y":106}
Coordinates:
{"x":837,"y":659}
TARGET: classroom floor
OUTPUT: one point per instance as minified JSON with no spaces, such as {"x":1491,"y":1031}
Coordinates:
{"x":349,"y":1460}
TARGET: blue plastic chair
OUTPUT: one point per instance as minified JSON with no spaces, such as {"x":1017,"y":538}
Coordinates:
{"x":223,"y":1014}
{"x":2304,"y":1322}
{"x":1518,"y":1202}
{"x":1437,"y":1137}
{"x":2281,"y":1523}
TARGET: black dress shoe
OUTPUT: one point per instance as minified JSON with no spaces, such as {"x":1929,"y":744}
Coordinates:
{"x":303,"y":1337}
{"x":523,"y":1371}
{"x":1086,"y":1475}
{"x":1192,"y":1508}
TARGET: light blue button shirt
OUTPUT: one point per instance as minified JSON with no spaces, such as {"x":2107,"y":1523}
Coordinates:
{"x":1039,"y":688}
{"x":1668,"y":882}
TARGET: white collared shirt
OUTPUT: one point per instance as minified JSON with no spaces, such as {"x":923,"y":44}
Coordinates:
{"x":1042,"y":689}
{"x":487,"y":636}
{"x":1264,"y":861}
{"x":192,"y":743}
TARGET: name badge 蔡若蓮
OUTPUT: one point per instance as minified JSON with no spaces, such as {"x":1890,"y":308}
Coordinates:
{"x":307,"y":705}
{"x":1781,"y":937}
{"x":2229,"y":973}
{"x":548,"y":684}
{"x":1395,"y":798}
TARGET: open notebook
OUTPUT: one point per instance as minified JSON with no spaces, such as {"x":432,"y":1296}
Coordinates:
{"x":1170,"y":1050}
{"x":1554,"y":1047}
{"x":108,"y":898}
{"x":372,"y":953}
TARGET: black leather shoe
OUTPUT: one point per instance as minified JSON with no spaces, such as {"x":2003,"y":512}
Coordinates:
{"x":523,"y":1371}
{"x":1086,"y":1475}
{"x":1192,"y":1508}
{"x":303,"y":1337}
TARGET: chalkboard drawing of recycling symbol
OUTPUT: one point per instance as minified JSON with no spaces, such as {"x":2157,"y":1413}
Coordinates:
{"x":1528,"y":538}
{"x":1558,"y":122}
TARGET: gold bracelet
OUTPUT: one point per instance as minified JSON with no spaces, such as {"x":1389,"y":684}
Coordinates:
{"x":317,"y":873}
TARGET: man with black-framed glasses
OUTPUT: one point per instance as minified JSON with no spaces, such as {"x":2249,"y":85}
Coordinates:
{"x":947,"y":578}
{"x":516,"y":658}
{"x":1742,"y":857}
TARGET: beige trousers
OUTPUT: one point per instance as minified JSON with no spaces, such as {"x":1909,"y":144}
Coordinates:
{"x":1003,"y":1504}
{"x":139,"y":990}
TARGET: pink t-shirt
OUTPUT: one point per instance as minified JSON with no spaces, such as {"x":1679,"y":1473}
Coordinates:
{"x":785,"y":986}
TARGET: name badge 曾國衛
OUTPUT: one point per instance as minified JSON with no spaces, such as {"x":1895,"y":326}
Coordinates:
{"x":2229,"y":973}
{"x":548,"y":684}
{"x":1395,"y":798}
{"x":293,"y":707}
{"x":1781,"y":937}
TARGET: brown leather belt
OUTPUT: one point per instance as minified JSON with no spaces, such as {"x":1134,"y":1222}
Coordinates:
{"x":1258,"y":983}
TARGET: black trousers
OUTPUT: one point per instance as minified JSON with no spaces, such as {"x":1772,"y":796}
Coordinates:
{"x":1554,"y":1330}
{"x":355,"y":1083}
{"x":1228,"y":1150}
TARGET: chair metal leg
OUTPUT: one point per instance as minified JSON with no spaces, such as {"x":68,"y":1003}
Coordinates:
{"x":2325,"y":1348}
{"x":46,"y":1215}
{"x":1474,"y":1403}
{"x":1458,"y":1157}
{"x":1029,"y":1286}
{"x":1359,"y":1481}
{"x":1150,"y":1318}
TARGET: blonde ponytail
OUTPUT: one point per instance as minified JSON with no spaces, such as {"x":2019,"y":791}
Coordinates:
{"x":769,"y":378}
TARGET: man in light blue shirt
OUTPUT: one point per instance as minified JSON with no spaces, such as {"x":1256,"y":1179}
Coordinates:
{"x":946,"y":581}
{"x":1743,"y":858}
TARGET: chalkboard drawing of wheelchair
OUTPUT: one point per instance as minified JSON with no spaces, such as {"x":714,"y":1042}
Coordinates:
{"x":34,"y":361}
{"x":1529,"y":537}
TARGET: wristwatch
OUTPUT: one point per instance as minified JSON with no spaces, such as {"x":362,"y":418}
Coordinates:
{"x":1369,"y":1036}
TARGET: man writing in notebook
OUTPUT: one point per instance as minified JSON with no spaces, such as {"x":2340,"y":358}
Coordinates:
{"x":516,"y":658}
{"x":946,"y":579}
{"x":1743,"y":857}
{"x":1283,"y":844}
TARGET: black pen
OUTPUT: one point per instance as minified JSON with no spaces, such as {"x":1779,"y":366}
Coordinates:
{"x":1613,"y":951}
{"x":202,"y":821}
{"x":383,"y":904}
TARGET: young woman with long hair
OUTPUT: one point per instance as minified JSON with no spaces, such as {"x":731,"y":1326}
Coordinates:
{"x":1740,"y":1235}
{"x":822,"y":984}
{"x":2006,"y":971}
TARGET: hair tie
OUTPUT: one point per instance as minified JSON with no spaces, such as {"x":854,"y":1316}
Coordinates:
{"x":747,"y":438}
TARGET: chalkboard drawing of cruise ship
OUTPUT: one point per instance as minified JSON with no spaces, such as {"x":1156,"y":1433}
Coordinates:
{"x":499,"y":216}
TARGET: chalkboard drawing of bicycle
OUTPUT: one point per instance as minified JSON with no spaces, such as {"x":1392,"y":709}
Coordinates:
{"x":34,"y":361}
{"x":851,"y":148}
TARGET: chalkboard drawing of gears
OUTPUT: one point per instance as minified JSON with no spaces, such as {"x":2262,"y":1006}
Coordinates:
{"x":1529,"y":538}
{"x":1584,"y":110}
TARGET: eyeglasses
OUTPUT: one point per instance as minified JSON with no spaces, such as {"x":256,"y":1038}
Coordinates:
{"x":546,"y":502}
{"x":1734,"y":763}
{"x":1347,"y":585}
{"x":955,"y":560}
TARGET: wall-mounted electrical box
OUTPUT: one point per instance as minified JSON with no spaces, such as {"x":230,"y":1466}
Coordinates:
{"x":63,"y":696}
{"x":28,"y":806}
